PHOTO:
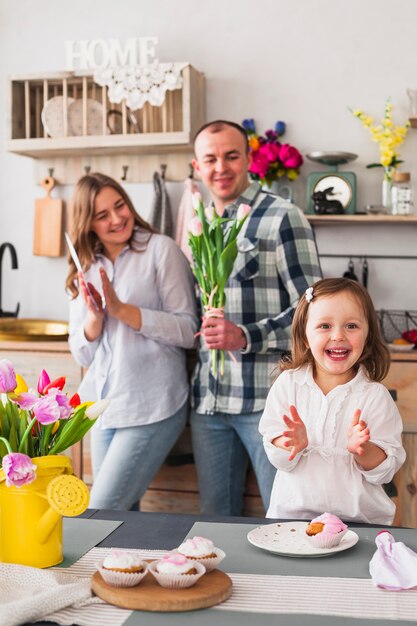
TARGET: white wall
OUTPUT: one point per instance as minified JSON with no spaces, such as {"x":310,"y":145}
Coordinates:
{"x":304,"y":62}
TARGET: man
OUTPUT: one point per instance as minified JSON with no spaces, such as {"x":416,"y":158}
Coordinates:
{"x":276,"y":262}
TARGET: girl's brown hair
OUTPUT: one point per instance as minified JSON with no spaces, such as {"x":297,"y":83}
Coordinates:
{"x":375,"y":356}
{"x":85,"y":241}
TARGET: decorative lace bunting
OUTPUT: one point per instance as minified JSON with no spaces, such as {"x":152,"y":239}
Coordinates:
{"x":139,"y":84}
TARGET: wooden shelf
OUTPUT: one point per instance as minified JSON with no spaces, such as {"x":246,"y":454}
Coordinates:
{"x":361,"y":219}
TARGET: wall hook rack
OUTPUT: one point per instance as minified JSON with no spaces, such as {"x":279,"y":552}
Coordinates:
{"x":124,"y":174}
{"x":163,"y":170}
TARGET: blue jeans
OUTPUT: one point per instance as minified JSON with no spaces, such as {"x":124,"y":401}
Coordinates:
{"x":125,"y":460}
{"x":222,"y":446}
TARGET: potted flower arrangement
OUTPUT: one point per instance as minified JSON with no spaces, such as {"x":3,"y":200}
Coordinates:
{"x":36,"y":483}
{"x":212,"y":240}
{"x":271,"y":159}
{"x":389,"y":137}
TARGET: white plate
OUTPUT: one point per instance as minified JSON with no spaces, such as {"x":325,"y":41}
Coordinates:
{"x":52,"y":116}
{"x":94,"y":117}
{"x":401,"y":347}
{"x":290,"y":539}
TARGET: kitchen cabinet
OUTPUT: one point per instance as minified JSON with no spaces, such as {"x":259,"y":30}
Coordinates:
{"x":66,"y":122}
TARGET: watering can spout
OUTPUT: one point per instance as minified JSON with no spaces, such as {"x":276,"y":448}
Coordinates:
{"x":67,"y":495}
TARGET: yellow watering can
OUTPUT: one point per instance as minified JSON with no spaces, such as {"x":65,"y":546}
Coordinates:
{"x":31,"y":516}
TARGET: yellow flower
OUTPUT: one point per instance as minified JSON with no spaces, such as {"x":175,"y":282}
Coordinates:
{"x":21,"y":385}
{"x":55,"y":427}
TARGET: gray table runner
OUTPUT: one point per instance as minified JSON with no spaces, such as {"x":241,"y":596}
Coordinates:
{"x":81,"y":534}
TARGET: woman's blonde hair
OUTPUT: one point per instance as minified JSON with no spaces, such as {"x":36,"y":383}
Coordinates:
{"x":375,"y":356}
{"x":85,"y":241}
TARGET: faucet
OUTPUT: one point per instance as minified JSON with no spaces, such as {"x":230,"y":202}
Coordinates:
{"x":13,"y":255}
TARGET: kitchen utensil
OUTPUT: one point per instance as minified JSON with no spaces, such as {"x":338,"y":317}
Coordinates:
{"x":365,"y":273}
{"x":350,"y":272}
{"x":94,"y":117}
{"x":47,"y":238}
{"x":78,"y":265}
{"x":52,"y":116}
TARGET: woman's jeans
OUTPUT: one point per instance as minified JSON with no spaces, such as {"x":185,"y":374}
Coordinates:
{"x":222,"y":445}
{"x":125,"y":460}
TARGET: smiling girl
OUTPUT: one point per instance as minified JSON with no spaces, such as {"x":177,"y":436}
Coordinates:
{"x":329,"y":426}
{"x":130,"y":333}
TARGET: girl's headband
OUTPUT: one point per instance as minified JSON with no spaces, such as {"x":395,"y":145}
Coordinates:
{"x":309,"y":294}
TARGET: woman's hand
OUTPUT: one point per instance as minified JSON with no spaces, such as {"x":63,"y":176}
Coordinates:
{"x":126,"y":313}
{"x":93,"y":325}
{"x":296,"y":435}
{"x":358,"y":434}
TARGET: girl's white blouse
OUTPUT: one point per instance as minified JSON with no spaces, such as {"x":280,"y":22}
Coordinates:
{"x":143,"y":373}
{"x":325,"y":476}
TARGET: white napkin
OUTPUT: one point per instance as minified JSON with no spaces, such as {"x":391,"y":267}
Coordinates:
{"x":394,"y":565}
{"x":28,"y":593}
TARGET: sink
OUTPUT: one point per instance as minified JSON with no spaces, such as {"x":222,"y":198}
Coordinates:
{"x":15,"y":329}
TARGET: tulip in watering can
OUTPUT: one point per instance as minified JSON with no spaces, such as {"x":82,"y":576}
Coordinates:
{"x":31,"y":515}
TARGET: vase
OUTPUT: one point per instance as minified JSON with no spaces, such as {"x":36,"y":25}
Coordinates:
{"x":31,"y":515}
{"x":386,"y":193}
{"x":280,"y":189}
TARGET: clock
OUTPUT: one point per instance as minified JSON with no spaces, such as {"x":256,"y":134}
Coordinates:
{"x":342,"y":184}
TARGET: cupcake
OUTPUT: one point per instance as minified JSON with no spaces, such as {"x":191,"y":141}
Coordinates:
{"x":176,"y":571}
{"x":202,"y":550}
{"x":326,"y":531}
{"x":122,"y":569}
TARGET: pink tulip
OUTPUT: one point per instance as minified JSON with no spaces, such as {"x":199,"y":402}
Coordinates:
{"x":197,"y":199}
{"x":8,"y":380}
{"x":243,"y":211}
{"x":26,"y":400}
{"x":18,"y":469}
{"x":43,"y":380}
{"x":196,"y":227}
{"x":46,"y":410}
{"x":62,"y":401}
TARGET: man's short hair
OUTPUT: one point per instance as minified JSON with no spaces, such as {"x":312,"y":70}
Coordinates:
{"x":218,"y":125}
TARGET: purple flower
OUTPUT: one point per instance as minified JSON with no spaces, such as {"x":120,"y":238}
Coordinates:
{"x":271,"y":135}
{"x":290,"y":156}
{"x":43,"y":380}
{"x":8,"y":380}
{"x":26,"y":400}
{"x":46,"y":410}
{"x":18,"y":469}
{"x":65,"y":409}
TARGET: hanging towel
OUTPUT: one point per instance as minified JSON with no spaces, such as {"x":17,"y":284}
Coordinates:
{"x":161,"y":215}
{"x":394,"y":565}
{"x":186,"y":212}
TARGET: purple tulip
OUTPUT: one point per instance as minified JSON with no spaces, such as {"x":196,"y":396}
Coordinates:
{"x":65,"y":409}
{"x":43,"y":380}
{"x":18,"y":469}
{"x":8,"y":380}
{"x":46,"y":410}
{"x":26,"y":400}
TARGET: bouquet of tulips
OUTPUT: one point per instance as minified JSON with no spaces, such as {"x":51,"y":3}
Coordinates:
{"x":213,"y":244}
{"x":40,"y":422}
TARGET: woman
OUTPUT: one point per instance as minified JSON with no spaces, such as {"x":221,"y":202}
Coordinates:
{"x":129,"y":327}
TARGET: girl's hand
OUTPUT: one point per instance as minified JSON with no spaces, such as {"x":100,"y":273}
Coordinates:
{"x":358,"y":434}
{"x":96,"y":312}
{"x":296,"y":435}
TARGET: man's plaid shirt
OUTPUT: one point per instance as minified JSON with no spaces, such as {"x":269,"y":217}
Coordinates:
{"x":277,"y":261}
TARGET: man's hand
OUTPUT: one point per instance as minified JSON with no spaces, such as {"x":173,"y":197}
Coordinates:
{"x":358,"y":434}
{"x":296,"y":435}
{"x":221,"y":334}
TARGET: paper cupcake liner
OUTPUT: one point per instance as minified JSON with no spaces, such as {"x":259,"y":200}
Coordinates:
{"x":210,"y":562}
{"x":122,"y":579}
{"x":177,"y":581}
{"x":322,"y":540}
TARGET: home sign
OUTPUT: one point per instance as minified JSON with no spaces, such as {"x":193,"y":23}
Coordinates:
{"x":101,"y":53}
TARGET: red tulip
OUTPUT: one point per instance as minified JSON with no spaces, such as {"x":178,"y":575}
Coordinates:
{"x":75,"y":400}
{"x":58,"y":383}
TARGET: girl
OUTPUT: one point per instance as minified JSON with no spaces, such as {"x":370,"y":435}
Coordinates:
{"x":329,"y":426}
{"x":130,"y":333}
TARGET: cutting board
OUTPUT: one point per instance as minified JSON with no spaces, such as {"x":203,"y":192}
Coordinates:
{"x":47,"y":239}
{"x":210,"y":589}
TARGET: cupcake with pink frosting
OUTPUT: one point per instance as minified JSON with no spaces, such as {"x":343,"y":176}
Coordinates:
{"x":326,"y":531}
{"x":122,"y":569}
{"x":202,"y":550}
{"x":174,"y":570}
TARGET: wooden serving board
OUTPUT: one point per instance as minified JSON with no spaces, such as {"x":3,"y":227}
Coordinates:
{"x":47,"y":240}
{"x":210,"y":589}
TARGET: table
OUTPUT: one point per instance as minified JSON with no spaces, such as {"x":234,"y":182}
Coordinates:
{"x":165,"y":531}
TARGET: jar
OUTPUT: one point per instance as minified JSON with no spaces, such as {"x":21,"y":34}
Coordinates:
{"x":401,"y":194}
